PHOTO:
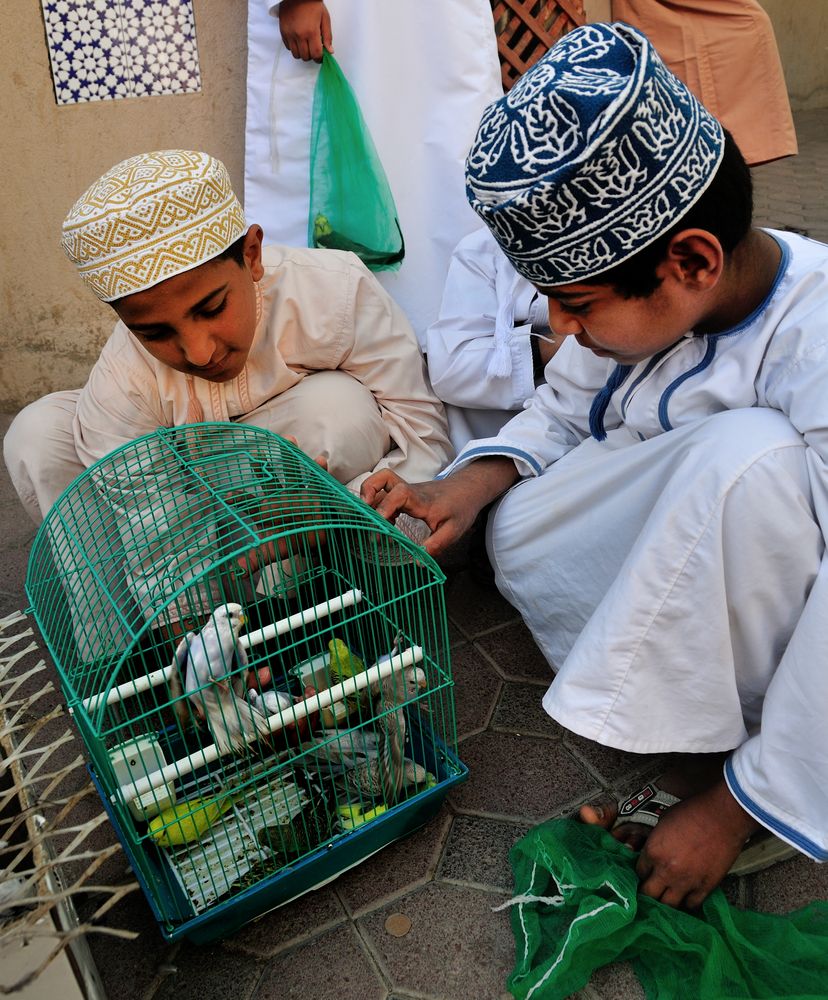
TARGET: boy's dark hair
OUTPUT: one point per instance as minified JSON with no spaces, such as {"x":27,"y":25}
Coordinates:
{"x":725,"y":210}
{"x":234,"y":252}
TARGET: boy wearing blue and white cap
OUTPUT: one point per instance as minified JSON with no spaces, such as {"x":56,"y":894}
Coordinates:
{"x":664,"y":542}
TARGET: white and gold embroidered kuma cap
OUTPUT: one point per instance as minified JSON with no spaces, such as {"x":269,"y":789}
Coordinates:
{"x":149,"y":218}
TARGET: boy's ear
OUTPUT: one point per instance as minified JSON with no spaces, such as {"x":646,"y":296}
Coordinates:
{"x":696,"y":258}
{"x":253,"y":251}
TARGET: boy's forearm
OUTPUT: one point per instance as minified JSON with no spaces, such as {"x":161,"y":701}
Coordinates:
{"x":484,"y":479}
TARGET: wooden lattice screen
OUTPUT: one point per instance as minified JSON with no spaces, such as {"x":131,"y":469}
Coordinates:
{"x":527,"y":28}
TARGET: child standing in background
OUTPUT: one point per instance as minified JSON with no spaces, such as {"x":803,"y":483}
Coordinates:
{"x":422,"y":71}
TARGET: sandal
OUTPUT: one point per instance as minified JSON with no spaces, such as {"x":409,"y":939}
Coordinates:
{"x":648,"y":805}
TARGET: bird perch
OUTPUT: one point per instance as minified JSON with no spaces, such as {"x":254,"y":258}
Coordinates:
{"x":299,"y":710}
{"x":151,"y":680}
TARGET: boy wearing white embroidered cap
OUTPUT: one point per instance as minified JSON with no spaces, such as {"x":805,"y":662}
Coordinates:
{"x":215,"y":327}
{"x":664,"y":542}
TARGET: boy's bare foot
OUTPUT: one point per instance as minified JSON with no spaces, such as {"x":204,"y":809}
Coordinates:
{"x":687,"y":854}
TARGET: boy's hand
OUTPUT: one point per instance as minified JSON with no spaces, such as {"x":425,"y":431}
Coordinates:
{"x":693,"y":846}
{"x":306,"y":28}
{"x":448,"y":506}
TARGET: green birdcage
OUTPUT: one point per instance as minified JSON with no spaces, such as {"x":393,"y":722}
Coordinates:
{"x":256,"y":661}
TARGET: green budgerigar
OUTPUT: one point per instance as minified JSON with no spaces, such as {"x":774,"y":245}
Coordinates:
{"x":342,"y":664}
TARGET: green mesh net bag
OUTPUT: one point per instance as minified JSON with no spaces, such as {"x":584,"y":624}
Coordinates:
{"x":351,"y":205}
{"x":577,"y":908}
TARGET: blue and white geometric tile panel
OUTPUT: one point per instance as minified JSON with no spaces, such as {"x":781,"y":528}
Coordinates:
{"x":101,"y":50}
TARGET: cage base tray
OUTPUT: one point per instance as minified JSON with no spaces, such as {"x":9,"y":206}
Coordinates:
{"x":311,"y":872}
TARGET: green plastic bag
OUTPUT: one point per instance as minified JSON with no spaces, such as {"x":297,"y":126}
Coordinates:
{"x":351,"y":205}
{"x":577,"y":908}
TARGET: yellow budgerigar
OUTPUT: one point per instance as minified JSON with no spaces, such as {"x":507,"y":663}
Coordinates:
{"x":188,"y":820}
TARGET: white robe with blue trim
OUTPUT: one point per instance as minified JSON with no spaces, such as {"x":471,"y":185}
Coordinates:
{"x":678,"y":579}
{"x":479,"y":352}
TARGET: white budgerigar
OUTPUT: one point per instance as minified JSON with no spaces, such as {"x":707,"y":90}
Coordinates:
{"x":270,"y":702}
{"x":213,"y":663}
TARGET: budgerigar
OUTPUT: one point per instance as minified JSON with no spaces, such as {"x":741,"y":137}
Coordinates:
{"x":342,"y":664}
{"x":206,"y":660}
{"x":188,"y":820}
{"x":368,"y":762}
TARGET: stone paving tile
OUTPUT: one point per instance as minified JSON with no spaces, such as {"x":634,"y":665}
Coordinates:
{"x":457,"y":949}
{"x":792,"y":191}
{"x":400,"y":866}
{"x":209,"y":973}
{"x":13,"y":567}
{"x":522,"y":777}
{"x":614,"y":982}
{"x":517,"y":656}
{"x":477,"y":852}
{"x":285,"y":927}
{"x":333,"y":966}
{"x":476,"y":688}
{"x":130,"y":968}
{"x":610,"y":765}
{"x":456,"y":637}
{"x":520,"y":711}
{"x":787,"y":886}
{"x":474,"y":607}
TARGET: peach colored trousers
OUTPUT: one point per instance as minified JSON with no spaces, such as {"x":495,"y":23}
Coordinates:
{"x":725,"y":51}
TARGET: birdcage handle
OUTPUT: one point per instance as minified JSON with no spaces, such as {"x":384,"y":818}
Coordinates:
{"x":151,"y":680}
{"x":299,"y":710}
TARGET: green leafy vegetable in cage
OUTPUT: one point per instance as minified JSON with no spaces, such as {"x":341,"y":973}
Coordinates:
{"x":351,"y":204}
{"x":304,"y":829}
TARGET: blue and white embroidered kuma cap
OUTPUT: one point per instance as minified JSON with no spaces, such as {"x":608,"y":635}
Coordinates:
{"x":595,"y":152}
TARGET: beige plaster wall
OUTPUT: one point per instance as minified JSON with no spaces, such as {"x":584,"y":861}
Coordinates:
{"x":801,"y":29}
{"x":51,"y":327}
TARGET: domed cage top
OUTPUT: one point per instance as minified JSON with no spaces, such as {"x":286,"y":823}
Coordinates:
{"x":256,"y":661}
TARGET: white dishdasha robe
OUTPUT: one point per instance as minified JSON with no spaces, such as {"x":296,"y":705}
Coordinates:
{"x":422,"y":71}
{"x":675,"y":572}
{"x":479,"y":351}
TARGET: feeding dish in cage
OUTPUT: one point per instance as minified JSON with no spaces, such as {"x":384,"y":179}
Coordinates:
{"x":137,"y":757}
{"x":144,"y":546}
